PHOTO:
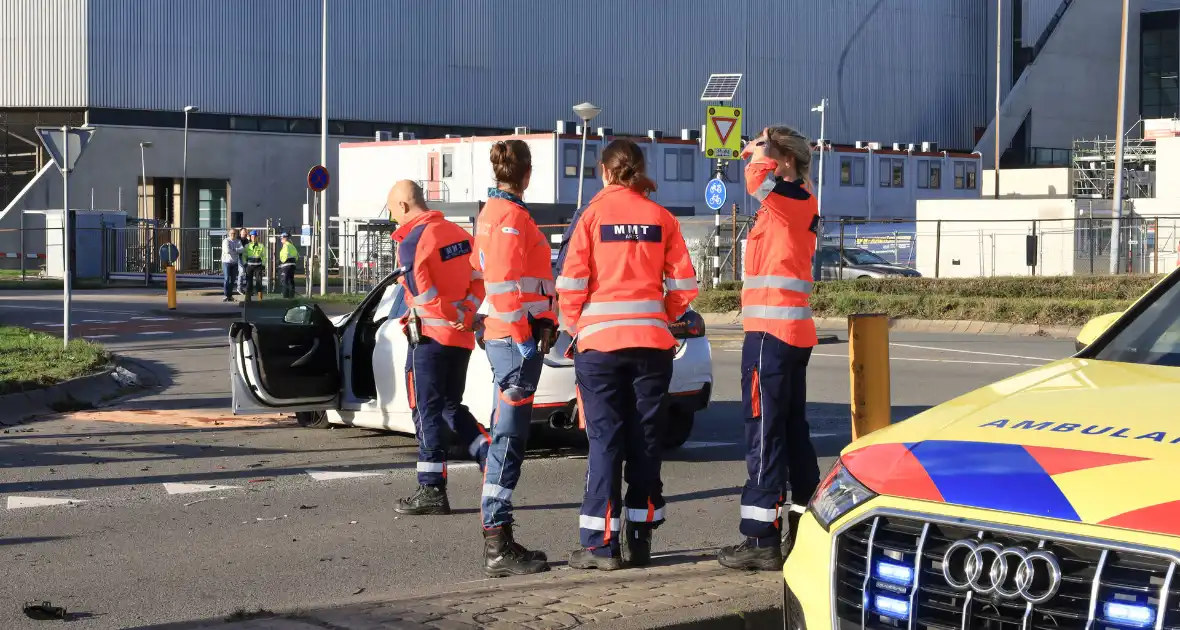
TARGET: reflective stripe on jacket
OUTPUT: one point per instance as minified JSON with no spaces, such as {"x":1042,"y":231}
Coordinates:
{"x":777,"y":275}
{"x":441,"y":287}
{"x":517,"y":267}
{"x":255,"y":253}
{"x":289,"y":253}
{"x":627,"y":274}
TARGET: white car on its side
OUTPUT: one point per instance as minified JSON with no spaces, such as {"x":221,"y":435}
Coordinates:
{"x":350,"y":370}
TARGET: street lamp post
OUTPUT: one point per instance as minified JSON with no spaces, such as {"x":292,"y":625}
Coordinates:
{"x":143,"y":211}
{"x":586,"y":111}
{"x":996,"y":127}
{"x":323,"y":253}
{"x":1116,"y":249}
{"x":143,"y":179}
{"x":189,"y":109}
{"x":822,"y":108}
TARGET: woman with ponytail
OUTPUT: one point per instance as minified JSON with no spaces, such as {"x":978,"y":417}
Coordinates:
{"x":627,"y":275}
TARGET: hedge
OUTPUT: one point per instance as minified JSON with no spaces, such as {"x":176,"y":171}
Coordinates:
{"x":1061,"y":301}
{"x":1123,"y":287}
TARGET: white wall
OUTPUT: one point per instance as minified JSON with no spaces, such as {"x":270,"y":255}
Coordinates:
{"x":1028,"y":182}
{"x":988,"y":237}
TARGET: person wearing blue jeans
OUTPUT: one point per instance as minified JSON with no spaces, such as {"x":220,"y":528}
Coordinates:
{"x":231,"y":258}
{"x":516,"y":369}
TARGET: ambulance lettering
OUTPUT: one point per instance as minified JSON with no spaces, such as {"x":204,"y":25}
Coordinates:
{"x":1070,"y":427}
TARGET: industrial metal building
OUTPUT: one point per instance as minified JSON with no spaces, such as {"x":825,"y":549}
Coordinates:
{"x":904,"y":71}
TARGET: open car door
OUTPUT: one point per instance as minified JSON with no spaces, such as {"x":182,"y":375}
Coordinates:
{"x":285,"y":361}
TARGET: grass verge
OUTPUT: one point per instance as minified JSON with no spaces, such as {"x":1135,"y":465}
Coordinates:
{"x":1122,"y":287}
{"x":31,"y":360}
{"x":1019,"y":310}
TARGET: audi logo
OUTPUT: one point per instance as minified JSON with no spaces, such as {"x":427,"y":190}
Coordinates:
{"x":1006,"y":572}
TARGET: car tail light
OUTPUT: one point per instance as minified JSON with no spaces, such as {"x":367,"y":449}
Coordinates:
{"x":689,"y":326}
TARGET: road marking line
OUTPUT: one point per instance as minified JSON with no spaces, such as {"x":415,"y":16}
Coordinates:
{"x":328,"y":475}
{"x":705,"y":444}
{"x":207,"y":330}
{"x":15,"y":503}
{"x":189,"y":488}
{"x":51,"y":325}
{"x":987,"y":354}
{"x":74,"y":309}
{"x":153,"y":319}
{"x":98,"y":336}
{"x":892,"y":359}
{"x":155,"y":332}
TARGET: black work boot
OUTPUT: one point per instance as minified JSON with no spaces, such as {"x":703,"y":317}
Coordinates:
{"x":503,"y":556}
{"x":638,"y":545}
{"x":427,"y":500}
{"x":585,"y":559}
{"x":750,"y":557}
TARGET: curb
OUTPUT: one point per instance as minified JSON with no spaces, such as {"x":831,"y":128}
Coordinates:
{"x":85,"y":392}
{"x":696,"y":594}
{"x":966,"y":327}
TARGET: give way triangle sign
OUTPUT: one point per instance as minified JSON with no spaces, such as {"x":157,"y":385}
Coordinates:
{"x":723,"y":127}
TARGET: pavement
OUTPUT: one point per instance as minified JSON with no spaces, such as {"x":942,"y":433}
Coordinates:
{"x":167,"y":509}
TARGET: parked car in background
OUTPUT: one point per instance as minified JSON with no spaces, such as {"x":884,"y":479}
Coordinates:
{"x":858,"y":263}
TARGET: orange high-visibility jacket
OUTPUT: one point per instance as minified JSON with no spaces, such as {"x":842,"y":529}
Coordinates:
{"x":441,"y":286}
{"x":777,"y":280}
{"x":627,"y":274}
{"x":517,"y":268}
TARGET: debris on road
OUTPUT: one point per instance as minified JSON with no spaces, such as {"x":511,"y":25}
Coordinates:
{"x":44,"y":611}
{"x":358,"y":591}
{"x":274,"y":518}
{"x":308,"y":507}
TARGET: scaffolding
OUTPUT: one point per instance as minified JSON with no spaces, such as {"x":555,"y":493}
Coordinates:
{"x":1094,"y":163}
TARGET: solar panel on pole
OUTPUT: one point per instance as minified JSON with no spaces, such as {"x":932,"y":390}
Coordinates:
{"x":721,"y":87}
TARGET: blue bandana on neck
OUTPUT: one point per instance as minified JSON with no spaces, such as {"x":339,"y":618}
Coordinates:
{"x":496,"y":193}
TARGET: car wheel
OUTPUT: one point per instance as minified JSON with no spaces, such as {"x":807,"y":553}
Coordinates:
{"x":863,"y":277}
{"x":679,"y":428}
{"x":313,"y":419}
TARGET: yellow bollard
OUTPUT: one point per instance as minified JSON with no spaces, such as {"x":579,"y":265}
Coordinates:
{"x":868,"y":362}
{"x":171,"y":271}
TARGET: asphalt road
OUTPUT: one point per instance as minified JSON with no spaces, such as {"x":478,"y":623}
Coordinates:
{"x":147,"y":540}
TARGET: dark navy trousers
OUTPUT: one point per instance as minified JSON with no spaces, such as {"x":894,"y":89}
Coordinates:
{"x":779,"y":453}
{"x":436,"y":376}
{"x":623,"y":399}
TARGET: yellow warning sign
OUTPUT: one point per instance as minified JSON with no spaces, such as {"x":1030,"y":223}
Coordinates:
{"x":723,"y":132}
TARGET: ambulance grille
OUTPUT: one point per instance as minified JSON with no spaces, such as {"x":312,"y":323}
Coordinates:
{"x":1092,"y":575}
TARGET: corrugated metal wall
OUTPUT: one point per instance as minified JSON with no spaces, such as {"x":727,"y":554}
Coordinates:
{"x":894,"y":70}
{"x":1036,"y":14}
{"x":42,"y":53}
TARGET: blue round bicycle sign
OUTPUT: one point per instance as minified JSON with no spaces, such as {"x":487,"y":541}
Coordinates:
{"x":169,"y":254}
{"x":715,"y":194}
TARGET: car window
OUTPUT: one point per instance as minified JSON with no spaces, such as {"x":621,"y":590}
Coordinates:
{"x":829,"y":257}
{"x":1152,"y":337}
{"x":863,"y":257}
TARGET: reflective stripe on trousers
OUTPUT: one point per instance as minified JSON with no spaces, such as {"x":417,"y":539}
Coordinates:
{"x":786,"y":283}
{"x":760,"y":514}
{"x":597,"y":523}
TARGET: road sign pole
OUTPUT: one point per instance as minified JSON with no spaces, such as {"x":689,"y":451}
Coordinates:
{"x":819,"y":235}
{"x":324,"y":148}
{"x":65,"y":236}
